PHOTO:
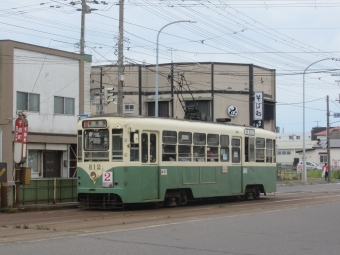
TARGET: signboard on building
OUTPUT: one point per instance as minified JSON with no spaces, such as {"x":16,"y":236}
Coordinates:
{"x":20,"y":140}
{"x":258,"y":109}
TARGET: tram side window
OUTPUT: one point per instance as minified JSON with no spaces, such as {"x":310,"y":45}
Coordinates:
{"x":260,"y":148}
{"x":224,"y":150}
{"x":199,"y":148}
{"x":249,"y":149}
{"x":169,"y":139}
{"x":80,"y":146}
{"x":212,"y":149}
{"x":184,"y":147}
{"x":269,"y":150}
{"x":235,"y":150}
{"x":117,"y":144}
{"x":134,"y":146}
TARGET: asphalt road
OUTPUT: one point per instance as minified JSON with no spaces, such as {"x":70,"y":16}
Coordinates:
{"x":296,"y":220}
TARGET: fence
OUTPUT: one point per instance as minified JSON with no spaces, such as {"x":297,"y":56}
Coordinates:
{"x":49,"y":191}
{"x":289,"y":172}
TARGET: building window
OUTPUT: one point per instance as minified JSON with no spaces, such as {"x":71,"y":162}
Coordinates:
{"x":284,"y":152}
{"x":163,"y":109}
{"x":297,"y":137}
{"x":323,"y":158}
{"x":291,"y":137}
{"x":28,"y":102}
{"x":64,"y":105}
{"x":33,"y":160}
{"x":203,"y":106}
{"x":129,"y":108}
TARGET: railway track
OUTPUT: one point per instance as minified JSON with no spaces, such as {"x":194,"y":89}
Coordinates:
{"x":33,"y":226}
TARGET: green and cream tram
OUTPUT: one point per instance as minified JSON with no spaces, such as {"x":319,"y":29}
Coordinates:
{"x":130,"y":160}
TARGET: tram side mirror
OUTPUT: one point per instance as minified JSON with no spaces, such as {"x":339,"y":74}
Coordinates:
{"x":135,"y":138}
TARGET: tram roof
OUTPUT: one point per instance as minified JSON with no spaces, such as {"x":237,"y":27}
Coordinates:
{"x":172,"y":120}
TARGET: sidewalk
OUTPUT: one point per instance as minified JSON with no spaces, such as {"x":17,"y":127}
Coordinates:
{"x":65,"y":206}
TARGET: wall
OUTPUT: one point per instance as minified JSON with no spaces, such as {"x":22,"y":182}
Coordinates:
{"x":48,"y":72}
{"x":48,"y":76}
{"x":230,"y":84}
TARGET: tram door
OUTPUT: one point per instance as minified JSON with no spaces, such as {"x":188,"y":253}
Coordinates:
{"x":236,"y":174}
{"x":149,"y":170}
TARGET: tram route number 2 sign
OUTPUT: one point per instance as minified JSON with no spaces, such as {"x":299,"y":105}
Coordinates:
{"x":107,"y":180}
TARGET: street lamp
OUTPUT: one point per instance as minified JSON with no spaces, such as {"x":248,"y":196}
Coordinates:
{"x":304,"y":173}
{"x":156,"y":86}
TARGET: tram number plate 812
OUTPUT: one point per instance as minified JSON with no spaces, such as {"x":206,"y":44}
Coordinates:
{"x":107,"y":180}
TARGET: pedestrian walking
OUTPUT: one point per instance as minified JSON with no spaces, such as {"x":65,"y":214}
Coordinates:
{"x":325,"y":170}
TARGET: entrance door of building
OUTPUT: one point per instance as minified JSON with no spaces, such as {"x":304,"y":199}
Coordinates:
{"x":52,"y":164}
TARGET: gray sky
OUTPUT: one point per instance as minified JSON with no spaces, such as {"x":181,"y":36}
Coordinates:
{"x":284,"y":35}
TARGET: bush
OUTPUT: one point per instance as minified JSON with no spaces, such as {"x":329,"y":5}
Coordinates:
{"x":336,"y":174}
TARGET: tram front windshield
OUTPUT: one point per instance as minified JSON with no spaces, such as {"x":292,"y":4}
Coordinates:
{"x":96,"y":140}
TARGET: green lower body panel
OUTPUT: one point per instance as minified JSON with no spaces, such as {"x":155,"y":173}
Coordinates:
{"x":143,"y":184}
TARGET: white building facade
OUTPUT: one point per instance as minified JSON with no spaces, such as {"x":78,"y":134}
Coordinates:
{"x":52,"y":88}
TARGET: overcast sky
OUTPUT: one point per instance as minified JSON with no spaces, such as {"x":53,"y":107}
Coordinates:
{"x":284,"y":35}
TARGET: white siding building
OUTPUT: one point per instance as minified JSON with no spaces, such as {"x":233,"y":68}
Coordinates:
{"x":52,"y":87}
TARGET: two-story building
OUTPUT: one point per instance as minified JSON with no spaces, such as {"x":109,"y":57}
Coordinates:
{"x":52,"y":87}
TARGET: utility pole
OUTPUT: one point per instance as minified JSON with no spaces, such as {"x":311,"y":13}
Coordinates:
{"x":101,"y":90}
{"x":120,"y":58}
{"x":84,"y":10}
{"x":82,"y":32}
{"x":328,"y":144}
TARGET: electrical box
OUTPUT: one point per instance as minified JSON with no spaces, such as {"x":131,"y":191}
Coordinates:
{"x":25,"y":177}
